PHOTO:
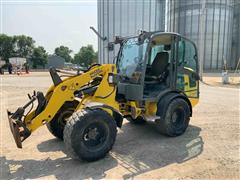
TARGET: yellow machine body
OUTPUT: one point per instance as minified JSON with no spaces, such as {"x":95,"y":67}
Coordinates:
{"x":57,"y":96}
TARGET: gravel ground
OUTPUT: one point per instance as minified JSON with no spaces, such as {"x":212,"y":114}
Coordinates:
{"x":208,"y":150}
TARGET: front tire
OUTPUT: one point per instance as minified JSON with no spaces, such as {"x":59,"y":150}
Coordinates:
{"x":176,"y":118}
{"x":89,"y":134}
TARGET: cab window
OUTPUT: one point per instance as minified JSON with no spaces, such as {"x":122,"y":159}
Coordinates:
{"x":131,"y":60}
{"x":187,"y":80}
{"x":187,"y":55}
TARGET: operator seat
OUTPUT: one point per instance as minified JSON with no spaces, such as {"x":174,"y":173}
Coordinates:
{"x":158,"y":71}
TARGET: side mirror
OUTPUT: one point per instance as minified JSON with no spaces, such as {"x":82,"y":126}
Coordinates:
{"x":110,"y":46}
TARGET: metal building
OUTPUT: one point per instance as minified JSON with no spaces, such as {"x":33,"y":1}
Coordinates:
{"x":126,"y":18}
{"x":236,"y":33}
{"x":210,"y":24}
{"x":55,"y":61}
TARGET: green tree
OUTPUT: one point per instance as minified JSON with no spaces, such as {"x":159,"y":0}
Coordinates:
{"x":86,"y":56}
{"x":6,"y":47}
{"x":24,"y":45}
{"x":39,"y":57}
{"x":64,"y":52}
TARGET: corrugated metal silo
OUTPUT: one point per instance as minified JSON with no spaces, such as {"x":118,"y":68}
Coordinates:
{"x":207,"y":22}
{"x":126,"y":18}
{"x":236,"y":34}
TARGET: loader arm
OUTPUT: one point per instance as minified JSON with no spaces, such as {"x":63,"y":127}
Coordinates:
{"x":63,"y":91}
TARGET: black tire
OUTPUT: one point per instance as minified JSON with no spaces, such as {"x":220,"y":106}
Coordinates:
{"x":89,"y":134}
{"x":176,"y":118}
{"x":57,"y":124}
{"x":138,"y":120}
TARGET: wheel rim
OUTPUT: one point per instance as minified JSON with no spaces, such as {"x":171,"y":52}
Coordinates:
{"x":94,"y":135}
{"x":178,"y":117}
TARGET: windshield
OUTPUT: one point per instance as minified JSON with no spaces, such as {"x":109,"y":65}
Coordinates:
{"x":131,"y":60}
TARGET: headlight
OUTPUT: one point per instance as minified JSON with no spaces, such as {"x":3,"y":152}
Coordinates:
{"x":110,"y":78}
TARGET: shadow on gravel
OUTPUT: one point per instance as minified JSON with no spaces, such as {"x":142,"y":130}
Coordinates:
{"x":61,"y":168}
{"x":138,"y":149}
{"x":141,"y":149}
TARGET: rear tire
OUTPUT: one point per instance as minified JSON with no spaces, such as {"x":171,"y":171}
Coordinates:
{"x":176,"y":118}
{"x":89,"y":134}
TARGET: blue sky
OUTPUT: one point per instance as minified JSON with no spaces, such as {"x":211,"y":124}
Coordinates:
{"x":51,"y":22}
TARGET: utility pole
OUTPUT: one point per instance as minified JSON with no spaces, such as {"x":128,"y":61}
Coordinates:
{"x":202,"y":37}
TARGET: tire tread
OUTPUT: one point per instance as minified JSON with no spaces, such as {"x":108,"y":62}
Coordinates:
{"x":76,"y":118}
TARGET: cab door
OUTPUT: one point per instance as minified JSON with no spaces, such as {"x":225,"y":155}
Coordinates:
{"x":187,"y":79}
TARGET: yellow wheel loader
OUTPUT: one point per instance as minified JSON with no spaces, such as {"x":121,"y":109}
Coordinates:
{"x":155,"y":78}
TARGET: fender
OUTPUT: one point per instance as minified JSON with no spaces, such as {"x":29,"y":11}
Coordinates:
{"x":165,"y":100}
{"x":116,"y":115}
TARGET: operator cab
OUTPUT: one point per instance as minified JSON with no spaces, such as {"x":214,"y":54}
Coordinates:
{"x":155,"y":63}
{"x":157,"y":66}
